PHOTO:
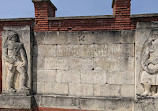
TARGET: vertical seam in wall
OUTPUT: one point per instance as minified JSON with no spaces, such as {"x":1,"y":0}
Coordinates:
{"x":133,"y":109}
{"x":135,"y":65}
{"x":135,"y":97}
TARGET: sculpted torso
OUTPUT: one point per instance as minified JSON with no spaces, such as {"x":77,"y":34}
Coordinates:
{"x":149,"y":63}
{"x":16,"y":61}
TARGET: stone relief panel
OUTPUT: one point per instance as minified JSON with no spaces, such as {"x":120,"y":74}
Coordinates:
{"x":16,"y":63}
{"x":147,"y":63}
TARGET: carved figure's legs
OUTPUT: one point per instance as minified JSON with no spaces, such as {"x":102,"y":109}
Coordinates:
{"x":147,"y":88}
{"x":156,"y":95}
{"x":22,"y":78}
{"x":10,"y":80}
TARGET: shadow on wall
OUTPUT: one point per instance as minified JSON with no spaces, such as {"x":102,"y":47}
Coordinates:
{"x":34,"y":70}
{"x":0,"y":65}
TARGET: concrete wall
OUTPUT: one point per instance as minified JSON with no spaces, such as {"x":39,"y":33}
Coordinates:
{"x":84,"y":64}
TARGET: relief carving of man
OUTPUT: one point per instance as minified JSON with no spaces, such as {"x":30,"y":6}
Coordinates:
{"x":16,"y":61}
{"x":149,"y":63}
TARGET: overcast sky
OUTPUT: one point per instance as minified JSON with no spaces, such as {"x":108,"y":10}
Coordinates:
{"x":25,"y":8}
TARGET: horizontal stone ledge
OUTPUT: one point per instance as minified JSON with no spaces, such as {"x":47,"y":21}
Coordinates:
{"x":80,"y":103}
{"x":68,"y":103}
{"x":82,"y":17}
{"x":84,"y":97}
{"x":94,"y":103}
{"x":16,"y":102}
{"x":16,"y":19}
{"x":144,"y":15}
{"x":147,"y":25}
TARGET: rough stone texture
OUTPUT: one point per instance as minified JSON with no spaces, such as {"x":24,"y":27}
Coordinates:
{"x":56,"y":63}
{"x":107,"y":90}
{"x":128,"y":91}
{"x":81,"y":90}
{"x":16,"y":102}
{"x":60,"y":89}
{"x":106,"y":105}
{"x":88,"y":104}
{"x":25,"y":36}
{"x":93,"y":77}
{"x":84,"y":63}
{"x":141,"y":36}
{"x":59,"y":102}
{"x":148,"y":104}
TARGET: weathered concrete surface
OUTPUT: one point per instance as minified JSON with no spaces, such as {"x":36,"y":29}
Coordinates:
{"x":147,"y":104}
{"x":16,"y":102}
{"x":26,"y":39}
{"x":96,"y":104}
{"x":84,"y":64}
{"x":142,"y":37}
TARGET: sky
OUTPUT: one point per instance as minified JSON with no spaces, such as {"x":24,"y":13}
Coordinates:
{"x":25,"y":8}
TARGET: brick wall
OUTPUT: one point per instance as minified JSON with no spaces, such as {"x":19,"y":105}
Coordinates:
{"x":121,"y":20}
{"x":82,"y":24}
{"x":43,"y":10}
{"x":96,"y":24}
{"x":121,"y":9}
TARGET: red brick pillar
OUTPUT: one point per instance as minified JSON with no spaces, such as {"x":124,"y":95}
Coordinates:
{"x":43,"y":10}
{"x":121,"y":10}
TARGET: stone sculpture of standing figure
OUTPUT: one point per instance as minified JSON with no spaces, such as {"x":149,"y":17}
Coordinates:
{"x":16,"y":61}
{"x":149,"y":63}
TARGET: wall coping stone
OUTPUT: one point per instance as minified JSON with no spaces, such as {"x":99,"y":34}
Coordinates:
{"x":16,"y":19}
{"x":144,"y":15}
{"x":81,"y":17}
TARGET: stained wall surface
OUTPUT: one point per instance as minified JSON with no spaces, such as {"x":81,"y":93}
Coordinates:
{"x":26,"y":40}
{"x":84,"y":64}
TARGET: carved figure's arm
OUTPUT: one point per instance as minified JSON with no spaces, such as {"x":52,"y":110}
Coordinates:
{"x":146,"y":55}
{"x":6,"y":57}
{"x":146,"y":66}
{"x":155,"y":61}
{"x":23,"y":55}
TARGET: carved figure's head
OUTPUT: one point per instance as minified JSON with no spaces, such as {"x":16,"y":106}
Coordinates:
{"x":154,"y":34}
{"x":14,"y":37}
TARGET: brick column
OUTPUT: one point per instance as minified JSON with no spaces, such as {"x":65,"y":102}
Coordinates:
{"x":121,"y":10}
{"x":43,"y":10}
